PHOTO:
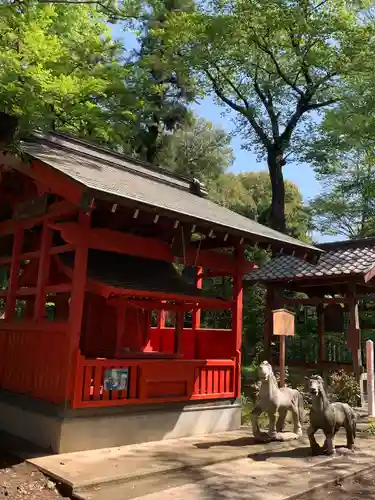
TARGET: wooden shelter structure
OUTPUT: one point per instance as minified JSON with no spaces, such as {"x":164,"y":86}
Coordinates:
{"x":335,"y":286}
{"x":89,"y":240}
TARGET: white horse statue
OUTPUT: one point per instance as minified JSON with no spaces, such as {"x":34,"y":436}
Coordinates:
{"x":275,"y":401}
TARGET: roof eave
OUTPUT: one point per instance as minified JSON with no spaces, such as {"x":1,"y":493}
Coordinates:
{"x":308,"y":252}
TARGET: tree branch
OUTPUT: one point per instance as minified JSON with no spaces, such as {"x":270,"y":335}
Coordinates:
{"x":279,"y":70}
{"x":299,"y":53}
{"x":268,"y":104}
{"x":319,"y":5}
{"x":322,"y":104}
{"x":245,"y":110}
{"x":293,"y":121}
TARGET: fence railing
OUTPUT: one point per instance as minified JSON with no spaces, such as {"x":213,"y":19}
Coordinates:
{"x":153,"y":381}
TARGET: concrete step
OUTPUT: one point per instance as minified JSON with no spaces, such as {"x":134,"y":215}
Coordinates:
{"x":146,"y":463}
{"x":276,"y":475}
{"x":130,"y":472}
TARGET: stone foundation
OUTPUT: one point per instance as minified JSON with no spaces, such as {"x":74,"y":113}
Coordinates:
{"x":63,"y":430}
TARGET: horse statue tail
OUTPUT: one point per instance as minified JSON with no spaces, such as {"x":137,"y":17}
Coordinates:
{"x":301,"y":408}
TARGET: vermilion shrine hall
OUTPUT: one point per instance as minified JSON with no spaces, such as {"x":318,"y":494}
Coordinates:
{"x":89,"y":242}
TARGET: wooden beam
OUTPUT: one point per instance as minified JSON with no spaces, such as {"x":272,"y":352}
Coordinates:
{"x":369,"y":275}
{"x":190,"y":301}
{"x":154,"y":305}
{"x":53,"y":181}
{"x":316,"y":301}
{"x":121,"y":242}
{"x":57,"y":209}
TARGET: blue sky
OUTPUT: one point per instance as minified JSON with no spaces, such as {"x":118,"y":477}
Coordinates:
{"x":301,"y":174}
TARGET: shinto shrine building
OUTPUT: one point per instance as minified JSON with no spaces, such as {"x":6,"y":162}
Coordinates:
{"x":89,"y":240}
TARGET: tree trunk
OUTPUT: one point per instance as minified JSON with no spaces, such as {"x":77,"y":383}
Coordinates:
{"x":276,"y":162}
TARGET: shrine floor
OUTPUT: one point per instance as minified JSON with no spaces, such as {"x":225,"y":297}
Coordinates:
{"x":220,"y":466}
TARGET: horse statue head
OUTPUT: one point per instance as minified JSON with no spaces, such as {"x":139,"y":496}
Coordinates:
{"x":315,"y":385}
{"x":265,"y":370}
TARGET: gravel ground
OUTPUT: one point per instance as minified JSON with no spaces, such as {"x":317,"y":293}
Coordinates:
{"x":21,"y":480}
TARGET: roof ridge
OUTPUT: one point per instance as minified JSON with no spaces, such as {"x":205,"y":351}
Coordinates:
{"x":150,"y":171}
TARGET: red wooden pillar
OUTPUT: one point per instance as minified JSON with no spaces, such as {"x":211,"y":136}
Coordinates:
{"x":14,"y":273}
{"x":121,"y":323}
{"x":161,"y":324}
{"x":76,"y":306}
{"x":198,"y":284}
{"x":179,"y":327}
{"x":43,"y":272}
{"x":196,"y":314}
{"x":161,"y":318}
{"x":237,"y":316}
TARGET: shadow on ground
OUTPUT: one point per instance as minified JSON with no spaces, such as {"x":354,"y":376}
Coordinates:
{"x":244,"y":441}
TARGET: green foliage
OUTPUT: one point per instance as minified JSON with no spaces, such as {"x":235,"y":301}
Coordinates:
{"x":250,"y":194}
{"x":345,"y":388}
{"x":164,"y":92}
{"x":198,"y":150}
{"x":58,"y":68}
{"x":371,"y":427}
{"x":346,"y":206}
{"x":273,"y":63}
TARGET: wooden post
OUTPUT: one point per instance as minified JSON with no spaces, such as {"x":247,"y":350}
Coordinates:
{"x":43,"y":272}
{"x":320,"y":320}
{"x":14,"y":272}
{"x":198,"y":284}
{"x":76,"y":304}
{"x":237,"y":316}
{"x":354,"y":332}
{"x":121,"y":323}
{"x":161,"y":318}
{"x":282,"y":361}
{"x":179,"y":327}
{"x":196,"y":314}
{"x":370,"y":377}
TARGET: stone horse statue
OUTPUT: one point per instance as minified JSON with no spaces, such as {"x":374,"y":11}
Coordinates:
{"x":328,"y":417}
{"x":275,"y":401}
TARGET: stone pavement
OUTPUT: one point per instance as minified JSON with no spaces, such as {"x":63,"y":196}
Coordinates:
{"x":221,"y":466}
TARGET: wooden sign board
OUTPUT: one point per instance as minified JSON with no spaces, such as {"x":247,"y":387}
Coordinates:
{"x":283,"y":322}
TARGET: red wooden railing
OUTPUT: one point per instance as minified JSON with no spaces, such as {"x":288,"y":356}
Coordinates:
{"x":153,"y":381}
{"x":33,"y":360}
